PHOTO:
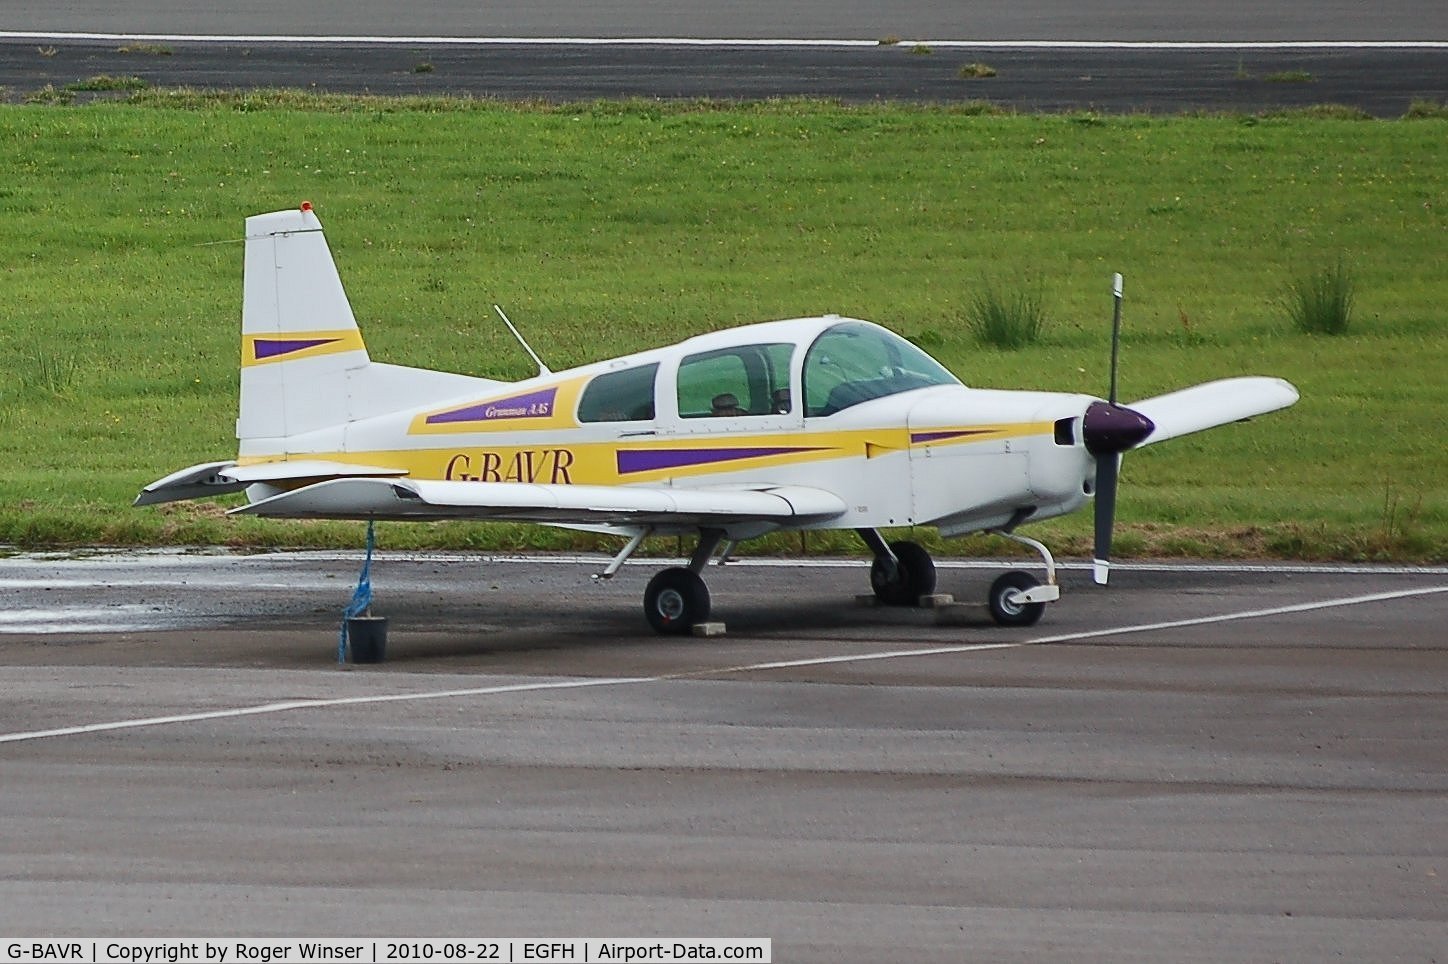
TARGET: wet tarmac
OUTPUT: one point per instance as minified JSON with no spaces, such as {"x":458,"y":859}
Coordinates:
{"x":1221,"y":764}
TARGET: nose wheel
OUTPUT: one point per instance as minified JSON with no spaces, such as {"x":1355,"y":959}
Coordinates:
{"x":1007,"y":600}
{"x":1018,"y":598}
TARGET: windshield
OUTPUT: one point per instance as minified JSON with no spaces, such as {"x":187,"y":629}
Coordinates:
{"x":854,"y":362}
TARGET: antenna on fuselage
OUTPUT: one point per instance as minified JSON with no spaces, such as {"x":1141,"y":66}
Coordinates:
{"x":542,"y":368}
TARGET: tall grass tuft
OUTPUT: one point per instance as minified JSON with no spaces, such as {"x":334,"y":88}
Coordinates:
{"x":1427,"y":108}
{"x":1006,"y":319}
{"x":108,"y":82}
{"x":1321,"y":303}
{"x":43,"y":372}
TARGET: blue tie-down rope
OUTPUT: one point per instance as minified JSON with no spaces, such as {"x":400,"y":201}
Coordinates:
{"x":361,"y":596}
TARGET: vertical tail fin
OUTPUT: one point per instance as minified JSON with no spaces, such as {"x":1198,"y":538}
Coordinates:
{"x":306,"y":377}
{"x":299,"y":338}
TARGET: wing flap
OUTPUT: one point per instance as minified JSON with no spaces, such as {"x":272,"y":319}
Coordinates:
{"x":417,"y":499}
{"x":1213,"y":403}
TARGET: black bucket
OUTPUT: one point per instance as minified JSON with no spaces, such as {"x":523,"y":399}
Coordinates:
{"x":367,"y":638}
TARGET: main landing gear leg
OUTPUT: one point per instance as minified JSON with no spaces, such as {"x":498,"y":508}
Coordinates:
{"x":902,"y":571}
{"x":677,"y":599}
{"x":610,"y":570}
{"x":1018,"y":598}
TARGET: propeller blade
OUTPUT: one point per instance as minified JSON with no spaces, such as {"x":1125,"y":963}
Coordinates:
{"x":1108,"y":430}
{"x":1108,"y":468}
{"x":1115,"y":332}
{"x":1214,"y":403}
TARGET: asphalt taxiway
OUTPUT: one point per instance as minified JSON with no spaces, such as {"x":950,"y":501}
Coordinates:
{"x":1379,"y":81}
{"x":1050,"y":55}
{"x":1261,"y":20}
{"x":1216,"y":765}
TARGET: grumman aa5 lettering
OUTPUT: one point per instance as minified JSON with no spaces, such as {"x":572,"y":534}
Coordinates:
{"x":810,"y":423}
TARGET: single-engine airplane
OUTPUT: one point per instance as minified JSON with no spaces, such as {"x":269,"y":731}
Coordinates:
{"x":809,"y":423}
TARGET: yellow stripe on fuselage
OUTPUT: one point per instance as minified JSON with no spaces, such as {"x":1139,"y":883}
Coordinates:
{"x":551,"y":459}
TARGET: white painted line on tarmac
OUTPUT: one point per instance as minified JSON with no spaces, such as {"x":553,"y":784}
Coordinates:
{"x":288,"y":705}
{"x":1090,"y":634}
{"x":840,"y":43}
{"x":1250,"y":614}
{"x":124,"y":618}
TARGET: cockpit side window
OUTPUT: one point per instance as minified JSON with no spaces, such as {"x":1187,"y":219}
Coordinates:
{"x":626,"y":395}
{"x":852,"y":363}
{"x":733,"y":382}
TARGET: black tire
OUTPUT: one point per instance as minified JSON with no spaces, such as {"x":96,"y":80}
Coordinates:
{"x":1006,"y":613}
{"x":914,"y":575}
{"x":676,"y":599}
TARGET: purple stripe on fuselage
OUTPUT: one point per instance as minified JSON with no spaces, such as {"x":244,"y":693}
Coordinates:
{"x":537,"y":404}
{"x":651,"y":460}
{"x":917,"y":437}
{"x":272,"y":347}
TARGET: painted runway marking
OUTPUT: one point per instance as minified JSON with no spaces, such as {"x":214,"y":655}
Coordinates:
{"x":905,"y":45}
{"x":1250,"y":614}
{"x":81,"y":619}
{"x":288,"y":705}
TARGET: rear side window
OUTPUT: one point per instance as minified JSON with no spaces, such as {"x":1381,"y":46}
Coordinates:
{"x":731,"y":382}
{"x":621,"y":396}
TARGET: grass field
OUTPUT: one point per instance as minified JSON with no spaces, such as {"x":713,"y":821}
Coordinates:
{"x":609,"y":228}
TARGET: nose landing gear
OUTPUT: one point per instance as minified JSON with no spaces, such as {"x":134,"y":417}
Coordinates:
{"x":1006,"y":600}
{"x":1018,"y":598}
{"x":903,"y":572}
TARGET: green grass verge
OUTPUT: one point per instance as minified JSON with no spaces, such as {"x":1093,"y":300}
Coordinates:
{"x":612,"y":227}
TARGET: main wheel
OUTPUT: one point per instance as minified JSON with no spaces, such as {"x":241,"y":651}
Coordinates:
{"x":912,"y":576}
{"x":675,"y":600}
{"x":1007,"y":613}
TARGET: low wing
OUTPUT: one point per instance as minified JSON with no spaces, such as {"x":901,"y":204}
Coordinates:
{"x":421,"y":499}
{"x":1213,"y":403}
{"x":219,"y":478}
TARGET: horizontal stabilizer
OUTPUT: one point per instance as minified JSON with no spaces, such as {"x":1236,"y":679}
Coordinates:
{"x":195,"y":482}
{"x":560,"y":504}
{"x":1213,"y":403}
{"x":220,"y":478}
